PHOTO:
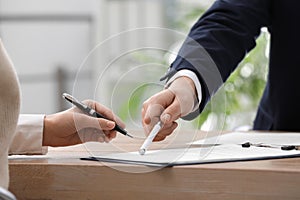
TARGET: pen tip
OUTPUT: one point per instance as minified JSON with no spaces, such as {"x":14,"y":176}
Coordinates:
{"x":129,"y":135}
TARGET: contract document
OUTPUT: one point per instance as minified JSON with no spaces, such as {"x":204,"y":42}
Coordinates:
{"x":231,"y":147}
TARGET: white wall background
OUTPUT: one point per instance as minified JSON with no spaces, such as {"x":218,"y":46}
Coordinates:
{"x":42,"y":35}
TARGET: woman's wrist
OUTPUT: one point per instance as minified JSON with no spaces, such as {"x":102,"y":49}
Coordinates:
{"x":48,"y":124}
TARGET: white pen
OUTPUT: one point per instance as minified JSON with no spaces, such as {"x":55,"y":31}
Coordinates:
{"x":150,"y":138}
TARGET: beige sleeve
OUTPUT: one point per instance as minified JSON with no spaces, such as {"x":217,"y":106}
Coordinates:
{"x":29,"y":136}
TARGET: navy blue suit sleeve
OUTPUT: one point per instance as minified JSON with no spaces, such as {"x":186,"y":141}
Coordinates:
{"x":219,"y":40}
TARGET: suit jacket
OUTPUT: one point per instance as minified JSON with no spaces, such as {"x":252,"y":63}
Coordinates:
{"x":226,"y":33}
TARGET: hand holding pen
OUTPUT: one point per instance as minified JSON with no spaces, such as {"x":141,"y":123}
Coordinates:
{"x":72,"y":126}
{"x":160,"y":112}
{"x":177,"y":100}
{"x":93,"y":113}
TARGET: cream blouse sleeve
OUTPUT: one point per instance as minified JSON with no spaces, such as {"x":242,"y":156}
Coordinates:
{"x":29,"y":135}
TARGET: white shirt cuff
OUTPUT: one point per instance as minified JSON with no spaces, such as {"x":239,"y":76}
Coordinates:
{"x":29,"y":135}
{"x":190,"y":74}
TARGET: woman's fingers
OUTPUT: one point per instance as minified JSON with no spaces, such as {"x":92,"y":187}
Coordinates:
{"x":106,"y":112}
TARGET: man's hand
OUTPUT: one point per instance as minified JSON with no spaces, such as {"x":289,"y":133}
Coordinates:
{"x":72,"y":127}
{"x":168,"y":105}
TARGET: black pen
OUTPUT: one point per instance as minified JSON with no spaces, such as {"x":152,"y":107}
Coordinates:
{"x":91,"y":112}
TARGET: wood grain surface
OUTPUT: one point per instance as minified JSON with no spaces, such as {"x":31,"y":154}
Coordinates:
{"x":62,"y":175}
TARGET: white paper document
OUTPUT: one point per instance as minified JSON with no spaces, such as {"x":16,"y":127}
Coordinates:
{"x":224,"y":148}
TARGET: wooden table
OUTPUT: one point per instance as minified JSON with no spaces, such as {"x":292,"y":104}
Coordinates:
{"x":62,"y":175}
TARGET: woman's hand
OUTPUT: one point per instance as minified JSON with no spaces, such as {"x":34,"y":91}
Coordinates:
{"x":72,"y":126}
